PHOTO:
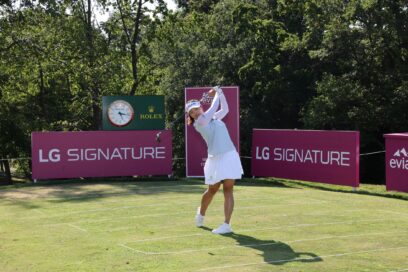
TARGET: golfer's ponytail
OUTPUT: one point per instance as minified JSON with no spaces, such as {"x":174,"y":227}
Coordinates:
{"x":190,"y":120}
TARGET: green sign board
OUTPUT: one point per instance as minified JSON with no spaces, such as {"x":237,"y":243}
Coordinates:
{"x":141,"y":112}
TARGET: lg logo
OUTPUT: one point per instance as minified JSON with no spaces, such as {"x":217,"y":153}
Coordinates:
{"x":295,"y":155}
{"x":52,"y":156}
{"x":263,"y":155}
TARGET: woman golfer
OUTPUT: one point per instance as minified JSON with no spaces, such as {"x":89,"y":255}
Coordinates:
{"x":223,"y":164}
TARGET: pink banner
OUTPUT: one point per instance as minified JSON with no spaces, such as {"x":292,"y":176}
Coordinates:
{"x":322,"y":156}
{"x":196,"y":148}
{"x":100,"y":154}
{"x":396,"y":161}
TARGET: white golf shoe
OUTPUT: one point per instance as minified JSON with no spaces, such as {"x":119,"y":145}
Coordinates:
{"x":223,"y":229}
{"x":199,"y":219}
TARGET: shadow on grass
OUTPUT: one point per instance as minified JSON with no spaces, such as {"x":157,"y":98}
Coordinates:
{"x":360,"y":191}
{"x":292,"y":184}
{"x":123,"y":189}
{"x":88,"y":190}
{"x":273,"y":252}
{"x":29,"y":205}
{"x":72,"y":191}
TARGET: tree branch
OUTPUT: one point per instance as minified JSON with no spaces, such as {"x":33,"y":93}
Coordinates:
{"x":137,"y":21}
{"x":125,"y":29}
{"x":83,"y":12}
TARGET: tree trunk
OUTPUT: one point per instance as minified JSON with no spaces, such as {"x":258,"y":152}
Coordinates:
{"x":135,"y":39}
{"x":134,"y":69}
{"x":96,"y":111}
{"x":42,"y":92}
{"x":7,"y":171}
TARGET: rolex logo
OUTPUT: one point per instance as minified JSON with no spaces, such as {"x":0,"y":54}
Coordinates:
{"x":151,"y":115}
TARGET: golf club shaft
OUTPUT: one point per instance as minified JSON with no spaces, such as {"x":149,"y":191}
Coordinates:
{"x":172,"y":123}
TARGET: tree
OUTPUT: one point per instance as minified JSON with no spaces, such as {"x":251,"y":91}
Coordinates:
{"x":133,"y":14}
{"x":239,"y":43}
{"x":362,"y":51}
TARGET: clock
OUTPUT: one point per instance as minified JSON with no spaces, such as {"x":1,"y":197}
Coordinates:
{"x":120,"y":113}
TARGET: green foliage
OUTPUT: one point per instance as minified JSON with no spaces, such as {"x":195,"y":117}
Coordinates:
{"x":299,"y":64}
{"x":340,"y":103}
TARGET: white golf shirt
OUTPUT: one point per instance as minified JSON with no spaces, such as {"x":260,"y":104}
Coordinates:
{"x":212,"y":129}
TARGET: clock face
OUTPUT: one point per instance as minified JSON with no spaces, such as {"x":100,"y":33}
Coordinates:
{"x":120,"y":113}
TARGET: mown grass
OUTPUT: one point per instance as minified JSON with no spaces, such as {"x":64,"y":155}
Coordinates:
{"x":132,"y":225}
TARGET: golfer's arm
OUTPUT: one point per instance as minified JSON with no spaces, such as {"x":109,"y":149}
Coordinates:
{"x":224,"y":108}
{"x":206,"y":117}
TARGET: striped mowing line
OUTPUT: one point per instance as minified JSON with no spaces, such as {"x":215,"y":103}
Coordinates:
{"x":39,"y":212}
{"x":190,"y":223}
{"x":264,"y":244}
{"x":262,"y":229}
{"x":317,"y":258}
{"x":132,"y":249}
{"x":136,"y":191}
{"x":76,"y":227}
{"x":399,"y":270}
{"x":235,"y":195}
{"x":61,"y":212}
{"x":167,"y":237}
{"x":272,"y":215}
{"x":93,"y":195}
{"x":398,"y":213}
{"x":96,"y":195}
{"x":177,"y":213}
{"x":141,"y":216}
{"x":319,"y":224}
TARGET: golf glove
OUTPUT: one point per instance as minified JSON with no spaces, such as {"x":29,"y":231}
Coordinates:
{"x":218,"y":90}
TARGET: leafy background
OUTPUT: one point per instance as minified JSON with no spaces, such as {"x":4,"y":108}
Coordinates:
{"x":299,"y":64}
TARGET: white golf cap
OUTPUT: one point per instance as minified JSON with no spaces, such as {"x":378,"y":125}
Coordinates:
{"x":192,"y":104}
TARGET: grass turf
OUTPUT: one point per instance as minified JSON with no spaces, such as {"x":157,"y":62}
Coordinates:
{"x":148,"y":226}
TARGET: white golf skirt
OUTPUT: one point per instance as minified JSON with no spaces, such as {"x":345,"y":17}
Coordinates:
{"x":223,"y":166}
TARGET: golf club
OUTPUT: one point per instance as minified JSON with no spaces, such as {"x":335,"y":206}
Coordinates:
{"x":170,"y":127}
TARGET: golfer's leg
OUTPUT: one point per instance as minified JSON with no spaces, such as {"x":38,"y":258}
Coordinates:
{"x":208,"y":196}
{"x":228,"y":188}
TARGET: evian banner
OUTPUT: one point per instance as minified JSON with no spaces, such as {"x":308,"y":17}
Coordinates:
{"x":196,"y":149}
{"x":396,"y":160}
{"x":100,"y":154}
{"x":322,"y":156}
